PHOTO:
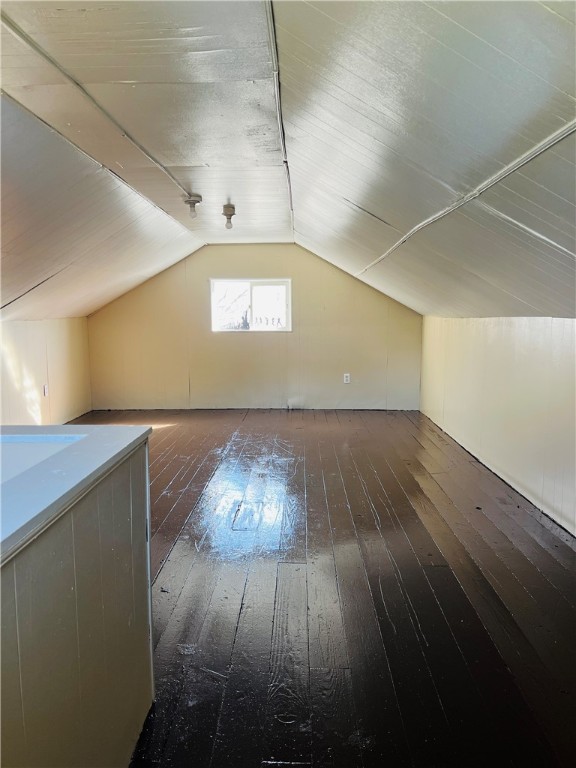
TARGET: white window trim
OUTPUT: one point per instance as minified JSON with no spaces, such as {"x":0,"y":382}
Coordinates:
{"x":285,"y":281}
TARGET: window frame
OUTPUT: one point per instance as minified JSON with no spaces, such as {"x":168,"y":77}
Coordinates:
{"x":284,"y":281}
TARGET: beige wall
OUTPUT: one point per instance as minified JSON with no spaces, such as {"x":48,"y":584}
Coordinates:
{"x":39,"y":352}
{"x":153,"y":347}
{"x":505,"y":389}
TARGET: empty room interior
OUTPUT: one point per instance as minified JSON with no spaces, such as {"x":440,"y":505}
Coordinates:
{"x":288,"y":384}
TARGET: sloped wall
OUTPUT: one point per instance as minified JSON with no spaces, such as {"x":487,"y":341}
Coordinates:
{"x":153,"y":347}
{"x":45,"y":352}
{"x":504,"y":388}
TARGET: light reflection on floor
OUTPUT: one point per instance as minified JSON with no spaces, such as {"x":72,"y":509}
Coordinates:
{"x":234,"y":520}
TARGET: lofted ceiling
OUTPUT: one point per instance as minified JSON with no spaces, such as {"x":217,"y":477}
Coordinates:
{"x":74,"y":236}
{"x":428,"y":149}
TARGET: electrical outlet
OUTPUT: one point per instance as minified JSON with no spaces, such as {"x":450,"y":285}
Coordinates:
{"x":45,"y":390}
{"x":346,"y":378}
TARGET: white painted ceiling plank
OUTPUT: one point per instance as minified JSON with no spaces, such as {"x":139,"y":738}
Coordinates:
{"x":394,"y":112}
{"x":451,"y":292}
{"x":78,"y":237}
{"x":566,"y":10}
{"x":198,"y":124}
{"x":191,"y":81}
{"x":454,"y":103}
{"x":548,"y":56}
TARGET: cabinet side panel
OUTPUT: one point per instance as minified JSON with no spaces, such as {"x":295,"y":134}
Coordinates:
{"x":143,"y":683}
{"x":13,"y":734}
{"x":47,"y":627}
{"x":96,"y":712}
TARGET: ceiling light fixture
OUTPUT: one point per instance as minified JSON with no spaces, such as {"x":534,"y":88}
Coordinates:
{"x":193,"y":201}
{"x":229,"y":210}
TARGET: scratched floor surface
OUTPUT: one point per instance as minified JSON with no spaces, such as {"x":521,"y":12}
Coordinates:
{"x":349,"y":588}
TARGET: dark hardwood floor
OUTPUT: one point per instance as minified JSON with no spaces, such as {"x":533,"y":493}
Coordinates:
{"x":349,"y":588}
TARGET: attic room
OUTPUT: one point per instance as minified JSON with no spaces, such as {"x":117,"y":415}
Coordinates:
{"x":288,"y":394}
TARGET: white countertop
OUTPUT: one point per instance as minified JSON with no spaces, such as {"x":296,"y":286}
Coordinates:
{"x":44,"y":469}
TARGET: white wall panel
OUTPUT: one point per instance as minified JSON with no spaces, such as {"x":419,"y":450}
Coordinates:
{"x":68,"y":363}
{"x":153,"y":348}
{"x":24,"y":373}
{"x":51,"y":353}
{"x":505,"y":389}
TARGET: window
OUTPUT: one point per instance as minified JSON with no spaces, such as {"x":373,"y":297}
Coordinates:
{"x":251,"y":305}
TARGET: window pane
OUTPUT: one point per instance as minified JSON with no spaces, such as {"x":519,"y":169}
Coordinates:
{"x":251,"y":305}
{"x":230,"y":305}
{"x":269,"y":307}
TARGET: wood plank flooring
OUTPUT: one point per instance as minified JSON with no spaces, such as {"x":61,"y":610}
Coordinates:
{"x":349,"y":588}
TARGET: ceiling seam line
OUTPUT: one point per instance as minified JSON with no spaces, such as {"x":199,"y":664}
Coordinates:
{"x":515,"y":165}
{"x":45,"y":280}
{"x":272,"y":44}
{"x":494,"y":47}
{"x":100,"y":165}
{"x":525,"y":228}
{"x":439,"y":41}
{"x":23,"y":37}
{"x":367,"y":80}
